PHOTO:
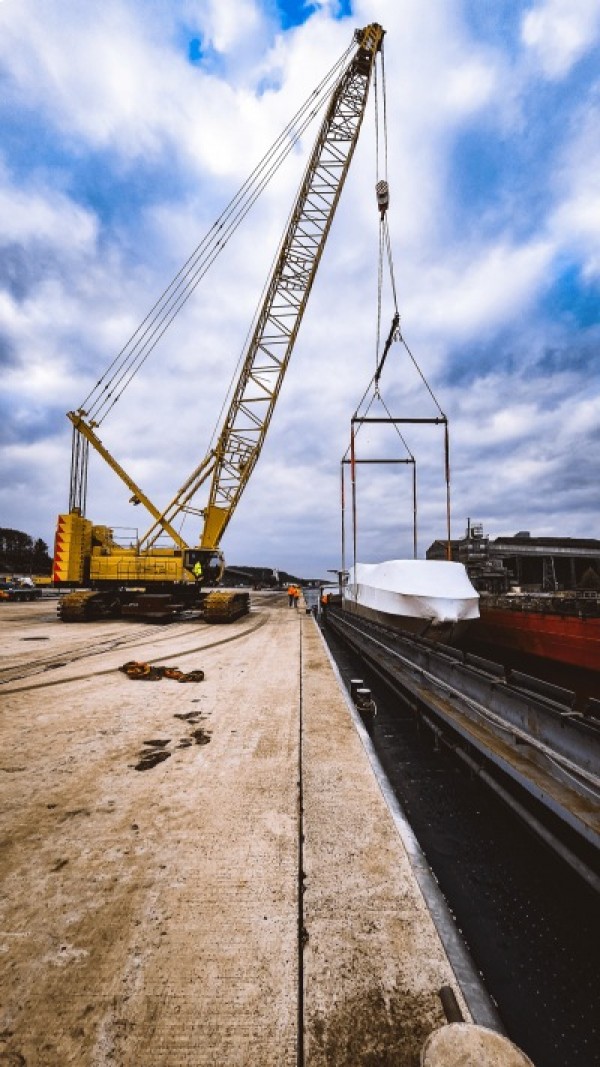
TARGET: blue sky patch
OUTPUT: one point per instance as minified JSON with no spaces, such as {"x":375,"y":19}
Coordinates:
{"x":502,"y":19}
{"x":195,"y":50}
{"x":572,"y":297}
{"x":293,"y":12}
{"x":296,"y":12}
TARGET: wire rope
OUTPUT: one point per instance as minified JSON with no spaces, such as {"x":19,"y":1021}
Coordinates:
{"x":385,"y":243}
{"x":128,"y":361}
{"x":422,"y":376}
{"x":131,"y":366}
{"x":379,"y":256}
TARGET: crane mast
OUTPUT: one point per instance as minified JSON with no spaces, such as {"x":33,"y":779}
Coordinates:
{"x":88,"y":554}
{"x":252,"y":406}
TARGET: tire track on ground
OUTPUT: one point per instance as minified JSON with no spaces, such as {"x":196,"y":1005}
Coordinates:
{"x":109,"y":670}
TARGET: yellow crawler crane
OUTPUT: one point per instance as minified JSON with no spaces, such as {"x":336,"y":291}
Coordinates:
{"x":145,"y":579}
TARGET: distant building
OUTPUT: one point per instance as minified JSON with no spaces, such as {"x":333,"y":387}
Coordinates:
{"x":546,"y":564}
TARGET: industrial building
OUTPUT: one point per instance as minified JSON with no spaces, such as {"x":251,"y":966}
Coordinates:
{"x":547,"y":564}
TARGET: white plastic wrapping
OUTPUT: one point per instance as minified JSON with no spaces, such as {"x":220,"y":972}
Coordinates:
{"x":436,"y":590}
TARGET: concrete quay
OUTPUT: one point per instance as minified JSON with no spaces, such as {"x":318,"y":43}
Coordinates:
{"x":205,"y":873}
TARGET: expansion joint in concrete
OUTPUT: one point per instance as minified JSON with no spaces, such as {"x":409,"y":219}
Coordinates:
{"x":302,"y":936}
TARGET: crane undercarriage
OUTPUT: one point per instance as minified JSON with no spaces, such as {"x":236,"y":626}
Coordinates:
{"x":211,"y":605}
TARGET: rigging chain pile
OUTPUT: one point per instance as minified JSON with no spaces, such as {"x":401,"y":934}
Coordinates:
{"x":146,"y":672}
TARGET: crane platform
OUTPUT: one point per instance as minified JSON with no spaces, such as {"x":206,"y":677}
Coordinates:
{"x":208,"y":873}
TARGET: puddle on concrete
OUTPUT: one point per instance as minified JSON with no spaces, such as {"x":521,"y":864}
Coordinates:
{"x":200,"y":736}
{"x":156,"y":751}
{"x":151,"y":759}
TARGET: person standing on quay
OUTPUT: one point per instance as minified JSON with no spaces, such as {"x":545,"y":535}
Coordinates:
{"x":291,"y":595}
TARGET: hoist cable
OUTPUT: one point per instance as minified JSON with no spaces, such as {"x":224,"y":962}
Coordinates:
{"x":236,"y":371}
{"x":128,"y":370}
{"x":395,"y":425}
{"x":379,"y":293}
{"x":422,"y":376}
{"x":385,"y":137}
{"x":380,"y":250}
{"x":388,"y":413}
{"x":230,"y":209}
{"x":390,"y":259}
{"x":362,"y":399}
{"x":213,"y":242}
{"x":235,"y":376}
{"x":376,"y":103}
{"x":133,"y":361}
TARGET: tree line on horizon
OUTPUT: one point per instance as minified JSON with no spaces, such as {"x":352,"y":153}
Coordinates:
{"x":19,"y":553}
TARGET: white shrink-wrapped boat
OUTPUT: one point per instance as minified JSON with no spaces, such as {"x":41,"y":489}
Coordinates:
{"x":431,"y":598}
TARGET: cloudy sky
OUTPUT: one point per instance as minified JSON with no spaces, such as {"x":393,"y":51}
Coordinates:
{"x":127,"y":126}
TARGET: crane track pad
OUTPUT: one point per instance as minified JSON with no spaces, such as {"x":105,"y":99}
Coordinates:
{"x":224,"y":606}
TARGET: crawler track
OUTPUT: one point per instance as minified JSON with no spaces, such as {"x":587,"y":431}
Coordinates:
{"x":55,"y":660}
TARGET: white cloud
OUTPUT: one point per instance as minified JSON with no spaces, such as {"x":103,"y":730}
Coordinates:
{"x":116,"y":78}
{"x":559,"y":32}
{"x":42,"y":216}
{"x":116,"y":82}
{"x":575,"y":221}
{"x":474,"y":291}
{"x":227,"y":26}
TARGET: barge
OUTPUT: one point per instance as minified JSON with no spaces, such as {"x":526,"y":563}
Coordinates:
{"x":564,"y":628}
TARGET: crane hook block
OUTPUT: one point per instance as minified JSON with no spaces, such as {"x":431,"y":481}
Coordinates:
{"x":383,"y":197}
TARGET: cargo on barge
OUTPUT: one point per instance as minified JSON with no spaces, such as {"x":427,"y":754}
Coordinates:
{"x":432,"y":598}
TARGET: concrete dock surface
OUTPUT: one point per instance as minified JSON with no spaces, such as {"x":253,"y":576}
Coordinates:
{"x":203,"y":873}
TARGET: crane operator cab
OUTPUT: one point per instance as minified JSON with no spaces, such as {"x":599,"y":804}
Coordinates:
{"x":205,"y":564}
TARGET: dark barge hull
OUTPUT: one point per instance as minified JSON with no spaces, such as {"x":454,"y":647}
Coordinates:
{"x":572,"y":639}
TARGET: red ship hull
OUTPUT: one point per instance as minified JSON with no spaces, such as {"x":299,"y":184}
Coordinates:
{"x":570,"y":639}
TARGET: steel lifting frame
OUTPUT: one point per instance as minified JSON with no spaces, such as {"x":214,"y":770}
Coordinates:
{"x":352,"y":461}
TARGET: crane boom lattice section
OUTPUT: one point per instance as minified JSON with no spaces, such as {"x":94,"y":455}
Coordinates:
{"x":269,"y":350}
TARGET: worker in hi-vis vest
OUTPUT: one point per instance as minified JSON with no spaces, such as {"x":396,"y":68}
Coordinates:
{"x":197,"y":570}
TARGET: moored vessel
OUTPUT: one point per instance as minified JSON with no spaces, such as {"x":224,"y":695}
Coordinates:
{"x":564,"y":628}
{"x":430,"y":598}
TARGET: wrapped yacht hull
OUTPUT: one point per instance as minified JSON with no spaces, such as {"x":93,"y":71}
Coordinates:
{"x":431,"y":598}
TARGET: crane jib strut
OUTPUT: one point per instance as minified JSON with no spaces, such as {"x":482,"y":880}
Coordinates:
{"x":230,"y":462}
